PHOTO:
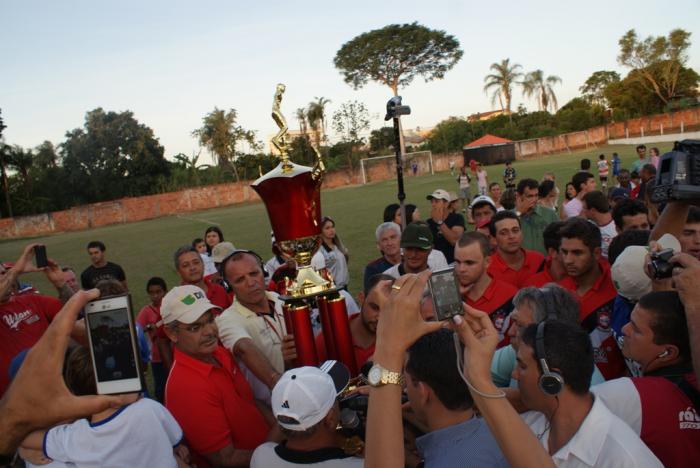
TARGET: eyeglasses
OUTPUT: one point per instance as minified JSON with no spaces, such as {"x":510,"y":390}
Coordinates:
{"x":197,"y":326}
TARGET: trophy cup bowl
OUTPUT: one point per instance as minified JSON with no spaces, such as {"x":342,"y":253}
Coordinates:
{"x":292,"y":197}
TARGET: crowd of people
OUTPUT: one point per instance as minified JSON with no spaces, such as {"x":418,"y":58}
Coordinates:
{"x":571,"y":351}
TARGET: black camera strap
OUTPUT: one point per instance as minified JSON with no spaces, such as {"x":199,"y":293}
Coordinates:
{"x":676,"y":375}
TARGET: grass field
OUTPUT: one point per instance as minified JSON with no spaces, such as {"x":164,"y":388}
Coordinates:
{"x":144,"y":249}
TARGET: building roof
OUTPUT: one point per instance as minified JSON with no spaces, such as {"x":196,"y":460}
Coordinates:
{"x":487,"y":140}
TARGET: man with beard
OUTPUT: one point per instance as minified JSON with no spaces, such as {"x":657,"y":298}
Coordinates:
{"x":363,"y":326}
{"x":479,"y":289}
{"x":589,"y":278}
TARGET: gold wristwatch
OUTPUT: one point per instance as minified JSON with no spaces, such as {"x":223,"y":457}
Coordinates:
{"x":379,"y":376}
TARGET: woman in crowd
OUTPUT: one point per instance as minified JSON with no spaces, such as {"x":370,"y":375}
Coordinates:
{"x":569,"y":194}
{"x":212,"y":236}
{"x":547,"y":196}
{"x":332,"y":254}
{"x":392,"y":213}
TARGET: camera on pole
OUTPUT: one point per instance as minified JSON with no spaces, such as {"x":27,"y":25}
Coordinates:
{"x":394,"y":110}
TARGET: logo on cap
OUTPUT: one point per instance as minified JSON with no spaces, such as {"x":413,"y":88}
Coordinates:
{"x":191,"y":298}
{"x":285,"y":404}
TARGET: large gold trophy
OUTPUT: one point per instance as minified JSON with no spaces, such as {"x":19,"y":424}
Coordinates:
{"x":292,"y":197}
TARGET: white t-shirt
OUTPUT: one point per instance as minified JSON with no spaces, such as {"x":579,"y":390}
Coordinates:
{"x":209,"y":267}
{"x":603,"y":440}
{"x":573,"y":208}
{"x":335,"y":262}
{"x":607,"y":233}
{"x":265,"y":456}
{"x":140,"y":434}
{"x":603,"y":168}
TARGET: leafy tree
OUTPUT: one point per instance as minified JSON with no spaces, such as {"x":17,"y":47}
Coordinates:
{"x":301,"y":118}
{"x":220,"y":134}
{"x":45,"y":156}
{"x":658,"y":60}
{"x":501,"y":81}
{"x":349,"y":121}
{"x":381,"y":139}
{"x":3,"y":155}
{"x":112,"y":156}
{"x":593,"y":89}
{"x":631,"y":97}
{"x":579,"y":114}
{"x":535,"y":84}
{"x":395,"y":54}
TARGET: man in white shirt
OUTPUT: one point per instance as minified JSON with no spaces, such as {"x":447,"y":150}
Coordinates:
{"x":555,"y":364}
{"x":596,"y":209}
{"x":253,"y":328}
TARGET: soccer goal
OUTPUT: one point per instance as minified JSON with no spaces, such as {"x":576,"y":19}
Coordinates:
{"x":384,"y":167}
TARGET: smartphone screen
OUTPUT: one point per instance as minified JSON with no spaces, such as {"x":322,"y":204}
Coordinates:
{"x":446,"y":297}
{"x":112,"y":344}
{"x":40,"y":256}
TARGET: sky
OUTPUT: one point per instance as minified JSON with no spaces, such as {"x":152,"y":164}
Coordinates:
{"x":171,"y":62}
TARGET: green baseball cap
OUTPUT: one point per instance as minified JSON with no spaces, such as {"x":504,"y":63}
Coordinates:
{"x":417,"y":235}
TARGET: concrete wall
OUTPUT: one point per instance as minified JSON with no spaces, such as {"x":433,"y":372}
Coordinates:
{"x":128,"y":210}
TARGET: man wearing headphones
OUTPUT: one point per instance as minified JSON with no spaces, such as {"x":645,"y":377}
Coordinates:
{"x":253,"y":328}
{"x":555,"y":364}
{"x":663,"y":405}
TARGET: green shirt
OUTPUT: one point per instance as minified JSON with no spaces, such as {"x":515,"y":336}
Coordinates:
{"x":533,"y":225}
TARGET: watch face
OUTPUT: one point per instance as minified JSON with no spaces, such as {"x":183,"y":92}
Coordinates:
{"x":374,"y":376}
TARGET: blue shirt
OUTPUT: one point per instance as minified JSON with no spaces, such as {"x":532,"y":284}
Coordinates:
{"x":467,"y":444}
{"x":376,"y":267}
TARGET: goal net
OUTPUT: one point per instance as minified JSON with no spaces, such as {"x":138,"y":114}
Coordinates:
{"x":384,"y":167}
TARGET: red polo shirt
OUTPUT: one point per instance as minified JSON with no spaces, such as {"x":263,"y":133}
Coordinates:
{"x":596,"y":316}
{"x":23,"y":319}
{"x":213,"y":404}
{"x":362,"y":355}
{"x":542,"y":277}
{"x":497,"y":301}
{"x":500,"y":270}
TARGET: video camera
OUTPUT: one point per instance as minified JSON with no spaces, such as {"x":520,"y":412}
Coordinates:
{"x":678,"y":177}
{"x":394,"y":108}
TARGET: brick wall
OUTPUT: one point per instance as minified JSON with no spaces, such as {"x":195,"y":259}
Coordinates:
{"x":128,"y":210}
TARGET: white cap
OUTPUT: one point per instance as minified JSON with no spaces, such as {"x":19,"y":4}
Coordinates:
{"x":302,"y":397}
{"x":628,"y":274}
{"x":482,"y":199}
{"x":439,"y":194}
{"x":185,"y":304}
{"x":669,"y":241}
{"x":221,"y":251}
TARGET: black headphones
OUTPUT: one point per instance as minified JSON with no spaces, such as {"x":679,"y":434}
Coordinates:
{"x":551,"y":383}
{"x":222,"y":266}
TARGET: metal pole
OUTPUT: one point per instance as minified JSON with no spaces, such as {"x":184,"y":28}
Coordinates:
{"x":399,"y":170}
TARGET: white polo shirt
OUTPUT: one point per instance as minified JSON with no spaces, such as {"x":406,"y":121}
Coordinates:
{"x":603,"y":440}
{"x":266,"y":331}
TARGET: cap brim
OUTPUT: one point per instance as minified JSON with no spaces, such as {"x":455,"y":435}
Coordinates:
{"x":415,"y":245}
{"x":338,"y":372}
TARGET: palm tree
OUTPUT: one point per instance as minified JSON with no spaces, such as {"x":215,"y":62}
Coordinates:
{"x":301,"y":118}
{"x":536,"y":84}
{"x":501,"y":82}
{"x":316,"y":116}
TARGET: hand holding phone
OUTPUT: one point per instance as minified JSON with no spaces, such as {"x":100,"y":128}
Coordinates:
{"x":444,"y":289}
{"x":113,"y":345}
{"x":40,"y":258}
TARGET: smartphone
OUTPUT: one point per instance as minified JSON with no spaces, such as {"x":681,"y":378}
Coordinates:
{"x":113,"y":345}
{"x":444,"y":288}
{"x":40,"y":258}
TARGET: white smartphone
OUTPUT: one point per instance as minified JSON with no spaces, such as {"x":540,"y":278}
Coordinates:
{"x":445,"y":291}
{"x":113,"y":348}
